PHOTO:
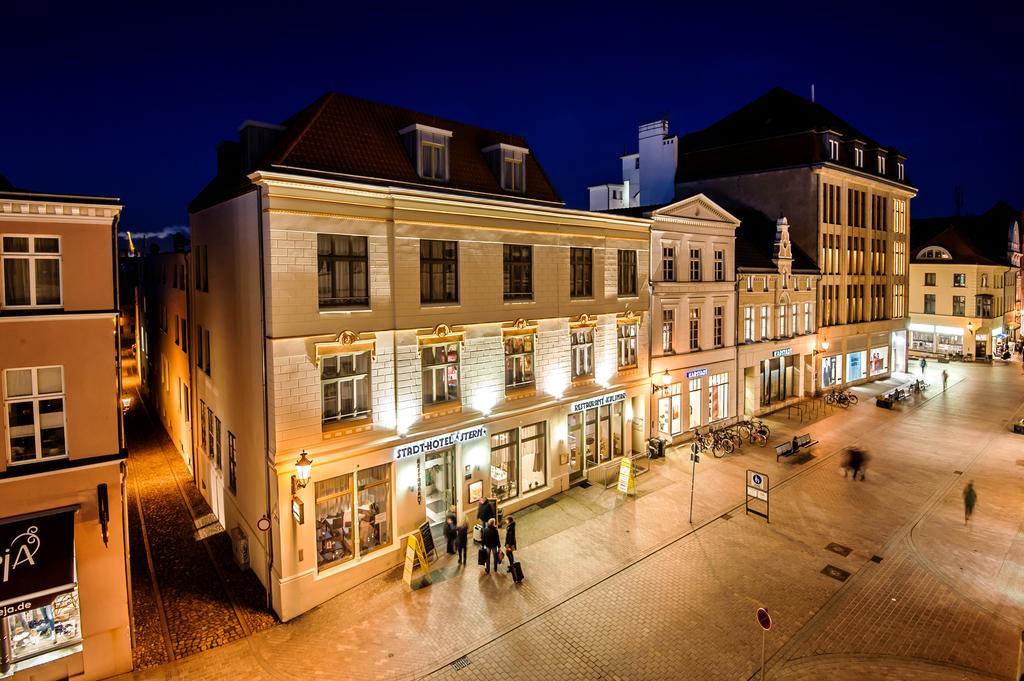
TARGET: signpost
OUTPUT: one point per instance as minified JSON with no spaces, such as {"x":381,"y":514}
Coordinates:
{"x":765,"y":620}
{"x":627,"y":477}
{"x":695,"y":458}
{"x":757,"y":488}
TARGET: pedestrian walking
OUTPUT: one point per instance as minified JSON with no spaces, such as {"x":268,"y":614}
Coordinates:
{"x":461,"y":539}
{"x":491,"y":541}
{"x":450,"y":528}
{"x":485,"y":512}
{"x":945,"y":379}
{"x":924,"y":365}
{"x":855,"y":462}
{"x":510,"y":540}
{"x":970,"y":499}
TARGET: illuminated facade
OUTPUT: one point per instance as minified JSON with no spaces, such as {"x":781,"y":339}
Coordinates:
{"x":64,"y":583}
{"x":433,"y":327}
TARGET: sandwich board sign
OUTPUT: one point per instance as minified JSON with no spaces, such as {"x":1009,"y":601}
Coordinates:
{"x":757,"y":491}
{"x":627,"y":477}
{"x":413,"y":552}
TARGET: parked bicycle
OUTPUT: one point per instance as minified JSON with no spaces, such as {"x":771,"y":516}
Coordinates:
{"x":755,"y":431}
{"x":718,"y":442}
{"x":840,"y":398}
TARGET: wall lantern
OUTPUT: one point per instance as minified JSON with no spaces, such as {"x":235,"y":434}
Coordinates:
{"x":303,"y":468}
{"x":824,"y":348}
{"x":970,"y":326}
{"x":661,"y":383}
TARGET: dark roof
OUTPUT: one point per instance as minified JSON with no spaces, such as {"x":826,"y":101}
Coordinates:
{"x":343,"y":135}
{"x":970,"y":239}
{"x":755,"y":237}
{"x":10,"y":192}
{"x":778,"y":129}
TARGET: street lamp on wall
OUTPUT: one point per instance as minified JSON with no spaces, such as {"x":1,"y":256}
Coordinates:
{"x":662,"y":383}
{"x":303,"y":469}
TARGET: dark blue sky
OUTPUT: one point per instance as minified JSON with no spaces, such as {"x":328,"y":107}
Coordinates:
{"x":130,"y":100}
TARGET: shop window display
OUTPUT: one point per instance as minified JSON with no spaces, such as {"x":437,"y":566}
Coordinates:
{"x":670,"y":410}
{"x":40,"y":630}
{"x":878,"y":363}
{"x":695,"y":403}
{"x":831,"y":371}
{"x":718,"y":397}
{"x":855,"y":365}
{"x":345,"y":532}
{"x":335,"y":534}
{"x":504,"y":468}
{"x":949,"y":344}
{"x":374,"y":499}
{"x":920,"y":340}
{"x":533,"y":456}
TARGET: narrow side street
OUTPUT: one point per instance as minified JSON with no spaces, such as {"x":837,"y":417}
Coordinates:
{"x":188,"y":594}
{"x":624,"y":588}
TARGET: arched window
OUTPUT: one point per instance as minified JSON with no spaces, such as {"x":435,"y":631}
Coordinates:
{"x":934,"y":253}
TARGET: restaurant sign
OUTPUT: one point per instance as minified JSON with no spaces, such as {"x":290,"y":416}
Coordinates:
{"x":610,"y":398}
{"x":37,"y":559}
{"x":440,"y":442}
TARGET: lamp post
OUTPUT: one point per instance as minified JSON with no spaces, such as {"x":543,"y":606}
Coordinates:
{"x":973,"y":345}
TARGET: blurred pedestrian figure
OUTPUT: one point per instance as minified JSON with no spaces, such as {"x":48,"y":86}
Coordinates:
{"x":510,"y":540}
{"x":491,"y":541}
{"x":461,"y":539}
{"x":450,"y":528}
{"x":945,"y":379}
{"x":924,"y":365}
{"x":970,"y":499}
{"x":855,"y":462}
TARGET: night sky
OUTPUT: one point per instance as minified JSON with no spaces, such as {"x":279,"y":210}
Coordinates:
{"x":130,"y":100}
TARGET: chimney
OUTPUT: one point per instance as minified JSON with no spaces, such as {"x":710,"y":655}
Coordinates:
{"x":655,"y":129}
{"x":229,"y":162}
{"x":256,"y":139}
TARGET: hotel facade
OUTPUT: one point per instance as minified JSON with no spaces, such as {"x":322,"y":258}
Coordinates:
{"x":406,"y":301}
{"x":64,"y":583}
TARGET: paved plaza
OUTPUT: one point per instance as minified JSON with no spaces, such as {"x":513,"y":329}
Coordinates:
{"x":629,"y":589}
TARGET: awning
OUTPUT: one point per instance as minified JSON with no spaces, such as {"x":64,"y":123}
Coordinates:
{"x":37,"y":558}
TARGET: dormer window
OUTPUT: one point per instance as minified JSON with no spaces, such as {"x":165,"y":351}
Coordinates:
{"x":881,"y":165}
{"x":833,"y":149}
{"x":858,"y":157}
{"x":509,"y":165}
{"x":899,"y":171}
{"x":429,"y":148}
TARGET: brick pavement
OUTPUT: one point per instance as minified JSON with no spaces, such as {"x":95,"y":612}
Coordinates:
{"x":188,"y":596}
{"x":635,"y":592}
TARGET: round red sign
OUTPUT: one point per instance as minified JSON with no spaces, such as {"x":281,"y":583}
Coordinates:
{"x":764,"y":619}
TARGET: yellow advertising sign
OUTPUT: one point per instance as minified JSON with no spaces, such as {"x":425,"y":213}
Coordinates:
{"x":413,"y":552}
{"x":627,"y":477}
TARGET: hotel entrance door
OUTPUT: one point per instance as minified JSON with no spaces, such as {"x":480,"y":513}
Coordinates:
{"x":439,"y":485}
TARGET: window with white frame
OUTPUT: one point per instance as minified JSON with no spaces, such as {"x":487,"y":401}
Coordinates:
{"x":513,"y":170}
{"x":353,"y":520}
{"x":780,"y":330}
{"x":668,"y":322}
{"x":794,"y":318}
{"x":440,"y":373}
{"x":31,"y":271}
{"x":694,"y":264}
{"x":718,"y":325}
{"x":808,"y":318}
{"x":881,"y":165}
{"x":345,"y":386}
{"x":765,"y":322}
{"x":519,"y":358}
{"x":35,"y":411}
{"x":342,"y":271}
{"x":748,"y":323}
{"x":627,"y":342}
{"x":668,"y":263}
{"x":750,"y":283}
{"x":582,"y":346}
{"x":900,"y":171}
{"x":719,"y":265}
{"x":858,"y":157}
{"x":833,"y":149}
{"x":695,"y":328}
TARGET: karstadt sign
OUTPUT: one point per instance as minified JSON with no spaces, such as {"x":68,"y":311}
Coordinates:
{"x":37,"y":559}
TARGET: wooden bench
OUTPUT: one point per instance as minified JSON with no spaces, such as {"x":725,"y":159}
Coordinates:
{"x":788,"y":449}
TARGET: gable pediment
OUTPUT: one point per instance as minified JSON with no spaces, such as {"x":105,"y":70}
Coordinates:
{"x":697,"y":208}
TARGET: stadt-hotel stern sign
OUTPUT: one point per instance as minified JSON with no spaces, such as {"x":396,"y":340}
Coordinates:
{"x":37,"y":559}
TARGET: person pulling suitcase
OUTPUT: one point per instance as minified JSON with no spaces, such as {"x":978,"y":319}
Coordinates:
{"x":514,"y":567}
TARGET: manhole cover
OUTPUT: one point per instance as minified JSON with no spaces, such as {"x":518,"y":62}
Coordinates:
{"x":835,"y":573}
{"x":876,"y":559}
{"x":460,"y":663}
{"x":839,"y":548}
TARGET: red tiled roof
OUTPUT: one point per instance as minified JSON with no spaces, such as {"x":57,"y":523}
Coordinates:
{"x":345,"y":135}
